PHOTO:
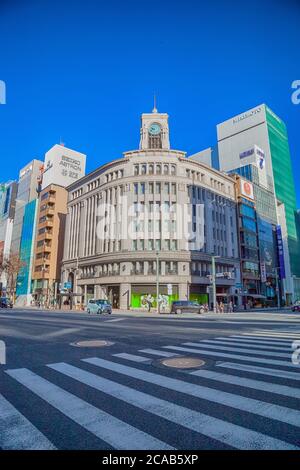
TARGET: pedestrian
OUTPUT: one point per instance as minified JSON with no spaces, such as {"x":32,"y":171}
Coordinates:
{"x":230,"y":308}
{"x":221,"y":307}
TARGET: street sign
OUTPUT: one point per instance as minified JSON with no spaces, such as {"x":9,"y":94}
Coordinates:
{"x":68,"y":285}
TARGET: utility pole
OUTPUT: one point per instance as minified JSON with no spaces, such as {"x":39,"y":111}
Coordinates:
{"x":213,"y":276}
{"x":157,"y":282}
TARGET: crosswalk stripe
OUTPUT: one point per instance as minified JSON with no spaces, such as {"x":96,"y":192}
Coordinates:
{"x":132,"y":357}
{"x":260,"y":342}
{"x":268,"y":410}
{"x":260,"y":370}
{"x":292,"y":337}
{"x":259,"y":338}
{"x":113,"y":431}
{"x":238,"y":344}
{"x":233,"y":356}
{"x":155,"y":352}
{"x":249,"y":383}
{"x":241,"y":350}
{"x":16,"y":431}
{"x":228,"y":433}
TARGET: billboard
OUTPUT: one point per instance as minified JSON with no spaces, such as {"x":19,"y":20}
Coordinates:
{"x":246,"y":189}
{"x":63,"y":166}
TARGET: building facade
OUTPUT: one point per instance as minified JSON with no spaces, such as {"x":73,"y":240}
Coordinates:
{"x":27,"y":192}
{"x":151,"y":218}
{"x":259,"y":136}
{"x":8,"y":193}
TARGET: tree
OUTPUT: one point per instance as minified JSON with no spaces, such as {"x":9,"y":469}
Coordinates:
{"x":12,"y":267}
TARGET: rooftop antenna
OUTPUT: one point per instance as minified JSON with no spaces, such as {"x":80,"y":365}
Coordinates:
{"x":154,"y":110}
{"x":61,"y":142}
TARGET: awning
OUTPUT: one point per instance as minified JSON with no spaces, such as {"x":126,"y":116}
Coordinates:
{"x":255,"y":296}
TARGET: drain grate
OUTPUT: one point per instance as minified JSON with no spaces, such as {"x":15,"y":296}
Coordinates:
{"x":183,"y":363}
{"x":96,"y":343}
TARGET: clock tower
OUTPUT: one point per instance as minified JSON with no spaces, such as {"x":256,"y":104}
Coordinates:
{"x":155,"y":131}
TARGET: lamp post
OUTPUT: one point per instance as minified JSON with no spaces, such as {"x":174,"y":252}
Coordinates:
{"x":277,"y":286}
{"x":213,"y":276}
{"x":157,"y":282}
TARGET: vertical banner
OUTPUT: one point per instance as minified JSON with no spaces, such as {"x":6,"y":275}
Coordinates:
{"x":263,"y":272}
{"x":280,"y":252}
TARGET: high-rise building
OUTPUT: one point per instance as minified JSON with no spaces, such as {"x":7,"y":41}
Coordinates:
{"x":8,"y":192}
{"x":62,"y":167}
{"x":255,"y":145}
{"x":27,"y":192}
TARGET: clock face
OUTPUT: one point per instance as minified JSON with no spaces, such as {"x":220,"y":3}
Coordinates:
{"x":154,"y":129}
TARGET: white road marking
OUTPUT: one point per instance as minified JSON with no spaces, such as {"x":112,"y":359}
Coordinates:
{"x":260,"y":370}
{"x":231,"y":434}
{"x":132,"y":357}
{"x":255,"y":341}
{"x":240,"y":344}
{"x":279,"y":336}
{"x":65,"y":331}
{"x":268,"y":410}
{"x":240,"y":350}
{"x":156,"y":352}
{"x":16,"y":431}
{"x":248,"y":383}
{"x":114,"y":320}
{"x":234,"y":356}
{"x":115,"y":432}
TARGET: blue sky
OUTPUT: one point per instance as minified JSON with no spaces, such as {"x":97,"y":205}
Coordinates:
{"x":83,"y":72}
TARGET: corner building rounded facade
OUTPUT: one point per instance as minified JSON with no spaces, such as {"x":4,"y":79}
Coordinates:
{"x":152,"y":207}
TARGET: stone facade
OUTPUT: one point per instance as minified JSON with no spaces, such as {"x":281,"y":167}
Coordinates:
{"x":179,"y":212}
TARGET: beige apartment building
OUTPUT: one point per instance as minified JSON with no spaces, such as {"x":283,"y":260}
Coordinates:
{"x":49,"y":242}
{"x":153,"y":216}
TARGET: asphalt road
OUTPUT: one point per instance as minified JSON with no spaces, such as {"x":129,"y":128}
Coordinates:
{"x":57,"y":395}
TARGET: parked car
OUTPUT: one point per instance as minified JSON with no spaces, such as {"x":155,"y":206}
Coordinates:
{"x":296,"y":306}
{"x":99,"y":306}
{"x":5,"y":303}
{"x":186,"y":306}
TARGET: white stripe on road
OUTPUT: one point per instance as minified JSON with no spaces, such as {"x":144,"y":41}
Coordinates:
{"x":231,"y":434}
{"x":132,"y":357}
{"x":234,"y":356}
{"x":268,"y":410}
{"x":263,"y":347}
{"x":279,"y":336}
{"x":156,"y":352}
{"x":249,"y":383}
{"x":17,"y":433}
{"x":259,"y":342}
{"x":114,"y":320}
{"x":111,"y":430}
{"x":259,"y":338}
{"x":260,"y":370}
{"x":233,"y":348}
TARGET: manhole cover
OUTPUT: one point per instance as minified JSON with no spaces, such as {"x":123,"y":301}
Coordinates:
{"x":183,"y":363}
{"x":92,"y":344}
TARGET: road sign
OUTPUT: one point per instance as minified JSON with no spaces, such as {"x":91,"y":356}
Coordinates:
{"x":68,"y":285}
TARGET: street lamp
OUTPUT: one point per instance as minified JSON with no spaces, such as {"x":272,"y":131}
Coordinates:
{"x":213,"y":276}
{"x":277,"y":286}
{"x":157,"y":282}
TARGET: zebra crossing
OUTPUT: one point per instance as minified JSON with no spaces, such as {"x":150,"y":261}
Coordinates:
{"x":128,"y":400}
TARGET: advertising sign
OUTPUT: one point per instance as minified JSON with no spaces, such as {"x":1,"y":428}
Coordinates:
{"x":63,"y":166}
{"x":246,"y":189}
{"x":280,"y":252}
{"x":263,"y":272}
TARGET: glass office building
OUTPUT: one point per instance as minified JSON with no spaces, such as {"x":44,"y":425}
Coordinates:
{"x":24,"y":279}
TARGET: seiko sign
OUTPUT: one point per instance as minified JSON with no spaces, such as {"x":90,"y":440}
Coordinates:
{"x":246,"y":115}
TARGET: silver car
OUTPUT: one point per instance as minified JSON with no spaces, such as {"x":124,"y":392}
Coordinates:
{"x":99,"y":306}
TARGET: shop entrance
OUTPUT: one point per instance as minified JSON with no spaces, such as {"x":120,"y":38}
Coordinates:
{"x":113,"y":295}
